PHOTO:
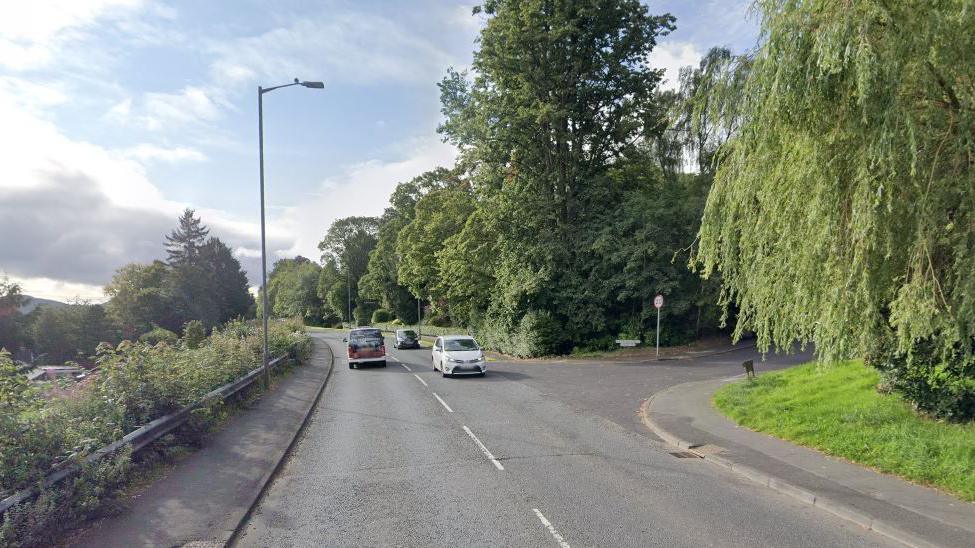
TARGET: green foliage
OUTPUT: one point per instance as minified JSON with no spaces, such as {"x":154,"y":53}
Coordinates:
{"x":202,"y":281}
{"x":194,"y":334}
{"x":364,"y":311}
{"x":134,"y":384}
{"x":60,"y":334}
{"x":381,"y":281}
{"x":838,"y":410}
{"x":345,"y":255}
{"x":138,"y":298}
{"x":439,"y":214}
{"x":159,"y":335}
{"x":12,"y":324}
{"x":381,"y":315}
{"x":293,"y":290}
{"x":842,"y":208}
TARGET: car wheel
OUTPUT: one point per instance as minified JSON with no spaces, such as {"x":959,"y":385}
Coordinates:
{"x":434,"y":362}
{"x":383,"y":364}
{"x":483,"y":373}
{"x":443,"y":371}
{"x":351,"y":365}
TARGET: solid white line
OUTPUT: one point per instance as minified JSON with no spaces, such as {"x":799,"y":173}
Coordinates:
{"x":405,"y":366}
{"x":551,"y":529}
{"x":484,"y":449}
{"x":421,"y":380}
{"x":443,"y":403}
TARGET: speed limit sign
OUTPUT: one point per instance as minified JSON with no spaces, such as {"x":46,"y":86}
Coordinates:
{"x":658,"y":301}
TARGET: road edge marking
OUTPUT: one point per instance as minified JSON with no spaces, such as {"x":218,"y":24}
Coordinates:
{"x":484,"y":449}
{"x":443,"y":403}
{"x":551,"y":528}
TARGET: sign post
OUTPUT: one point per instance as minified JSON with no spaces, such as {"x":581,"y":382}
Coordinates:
{"x":658,"y":303}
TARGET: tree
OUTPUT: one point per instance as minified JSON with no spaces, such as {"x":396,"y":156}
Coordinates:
{"x":439,"y":215}
{"x":347,"y":245}
{"x":562,"y":93}
{"x":71,"y":332}
{"x":293,"y":289}
{"x":183,"y":245}
{"x":842,"y":210}
{"x":227,"y":279}
{"x":138,"y":298}
{"x":381,"y":281}
{"x":12,"y":336}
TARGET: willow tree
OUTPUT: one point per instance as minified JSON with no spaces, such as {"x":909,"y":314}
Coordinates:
{"x":843,"y":210}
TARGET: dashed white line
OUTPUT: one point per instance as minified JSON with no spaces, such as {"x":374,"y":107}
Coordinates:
{"x":405,"y":366}
{"x":443,"y":403}
{"x":484,"y":449}
{"x":551,"y":528}
{"x":421,"y":380}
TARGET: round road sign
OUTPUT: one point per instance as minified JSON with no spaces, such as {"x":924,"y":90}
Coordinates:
{"x":658,"y":301}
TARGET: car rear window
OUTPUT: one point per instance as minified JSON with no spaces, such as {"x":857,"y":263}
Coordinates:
{"x":365,"y":335}
{"x":410,"y":334}
{"x":460,"y":344}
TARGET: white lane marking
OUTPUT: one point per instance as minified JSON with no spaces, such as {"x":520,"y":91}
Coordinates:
{"x":551,"y":529}
{"x":421,"y":380}
{"x":443,"y":403}
{"x":405,"y":366}
{"x":392,"y":357}
{"x":484,"y":449}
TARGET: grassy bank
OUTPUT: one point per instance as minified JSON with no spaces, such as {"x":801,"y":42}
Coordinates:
{"x":839,"y":411}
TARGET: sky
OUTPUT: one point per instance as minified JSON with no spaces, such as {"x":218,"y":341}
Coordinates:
{"x":118,"y":114}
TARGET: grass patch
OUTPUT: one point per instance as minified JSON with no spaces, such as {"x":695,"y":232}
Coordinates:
{"x":838,"y":410}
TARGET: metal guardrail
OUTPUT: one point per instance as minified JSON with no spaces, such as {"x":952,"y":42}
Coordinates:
{"x":139,"y":438}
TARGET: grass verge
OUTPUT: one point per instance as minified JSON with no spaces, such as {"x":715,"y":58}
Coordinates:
{"x":838,"y":410}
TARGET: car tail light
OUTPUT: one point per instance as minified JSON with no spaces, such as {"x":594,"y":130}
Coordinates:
{"x":382,"y":349}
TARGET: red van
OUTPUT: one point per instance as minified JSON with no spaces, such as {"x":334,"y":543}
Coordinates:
{"x":366,"y":346}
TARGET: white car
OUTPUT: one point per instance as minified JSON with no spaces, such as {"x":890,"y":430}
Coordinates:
{"x":458,"y":355}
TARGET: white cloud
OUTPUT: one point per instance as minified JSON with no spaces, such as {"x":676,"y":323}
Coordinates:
{"x":356,"y":48}
{"x":671,"y":56}
{"x":363,"y":189}
{"x":152,"y":153}
{"x":46,"y":288}
{"x":72,"y":212}
{"x":33,"y":33}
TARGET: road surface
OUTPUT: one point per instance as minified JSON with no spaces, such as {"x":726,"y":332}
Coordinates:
{"x":534,"y":454}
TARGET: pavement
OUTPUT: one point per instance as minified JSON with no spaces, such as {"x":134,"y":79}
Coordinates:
{"x":203,"y":498}
{"x":903,"y":511}
{"x":526,"y":456}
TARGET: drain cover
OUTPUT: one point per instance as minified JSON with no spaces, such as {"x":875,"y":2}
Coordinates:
{"x":685,"y":455}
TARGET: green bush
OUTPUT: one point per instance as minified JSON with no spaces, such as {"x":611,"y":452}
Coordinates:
{"x":159,"y":335}
{"x":381,"y":315}
{"x":194,"y":333}
{"x":363,"y":312}
{"x":134,"y":384}
{"x":944,"y":388}
{"x":438,"y":320}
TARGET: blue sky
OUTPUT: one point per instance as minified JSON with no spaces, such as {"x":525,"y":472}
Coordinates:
{"x":127,"y":111}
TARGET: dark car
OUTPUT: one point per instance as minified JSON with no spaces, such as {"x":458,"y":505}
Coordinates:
{"x":407,"y":338}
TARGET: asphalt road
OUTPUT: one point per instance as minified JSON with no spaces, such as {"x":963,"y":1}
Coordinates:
{"x":532,"y":455}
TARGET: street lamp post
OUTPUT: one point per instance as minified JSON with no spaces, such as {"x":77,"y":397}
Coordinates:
{"x":260,"y":143}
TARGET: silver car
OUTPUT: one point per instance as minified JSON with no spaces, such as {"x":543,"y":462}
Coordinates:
{"x":458,"y":355}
